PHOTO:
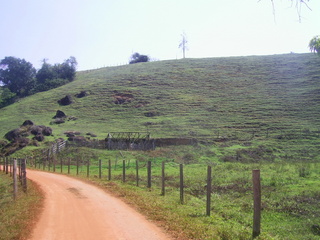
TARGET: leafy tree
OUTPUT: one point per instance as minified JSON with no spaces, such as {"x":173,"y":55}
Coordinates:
{"x":6,"y":97}
{"x":52,"y":76}
{"x":314,"y":45}
{"x":17,"y":75}
{"x":67,"y":69}
{"x":136,"y":58}
{"x":45,"y":72}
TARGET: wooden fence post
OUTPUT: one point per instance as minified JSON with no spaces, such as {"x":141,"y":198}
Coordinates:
{"x":256,"y":203}
{"x":149,"y":174}
{"x":6,"y":165}
{"x":109,"y":170}
{"x":48,"y":159}
{"x":77,"y":166}
{"x":69,"y":162}
{"x":181,"y":185}
{"x":88,"y":168}
{"x":54,"y":163}
{"x":163,"y":179}
{"x":24,"y":175}
{"x":209,"y":182}
{"x":137,"y":173}
{"x":123,"y":170}
{"x":10,"y":167}
{"x":61,"y":165}
{"x":100,"y":168}
{"x":15,"y":185}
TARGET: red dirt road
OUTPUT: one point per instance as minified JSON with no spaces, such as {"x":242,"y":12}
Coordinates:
{"x":75,"y":210}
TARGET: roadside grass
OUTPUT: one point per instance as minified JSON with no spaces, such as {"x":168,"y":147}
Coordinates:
{"x":18,"y":217}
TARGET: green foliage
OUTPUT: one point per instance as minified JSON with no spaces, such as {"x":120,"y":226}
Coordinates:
{"x":314,"y":45}
{"x":53,"y":76}
{"x":6,"y":97}
{"x":17,"y":75}
{"x":136,"y":58}
{"x":19,"y":78}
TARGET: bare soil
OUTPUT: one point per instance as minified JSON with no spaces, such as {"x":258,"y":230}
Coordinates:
{"x":77,"y":210}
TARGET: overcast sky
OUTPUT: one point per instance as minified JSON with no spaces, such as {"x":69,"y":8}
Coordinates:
{"x":102,"y":33}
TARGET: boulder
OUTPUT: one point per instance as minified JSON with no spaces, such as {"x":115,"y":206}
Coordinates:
{"x":15,"y":134}
{"x":67,"y":100}
{"x":60,"y":114}
{"x":27,"y":123}
{"x":81,"y":94}
{"x":39,"y":137}
{"x":47,"y":131}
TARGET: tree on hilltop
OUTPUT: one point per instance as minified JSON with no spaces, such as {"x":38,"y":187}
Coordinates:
{"x":314,"y":45}
{"x":137,"y":57}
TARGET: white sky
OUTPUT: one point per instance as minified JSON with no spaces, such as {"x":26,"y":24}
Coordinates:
{"x":106,"y":32}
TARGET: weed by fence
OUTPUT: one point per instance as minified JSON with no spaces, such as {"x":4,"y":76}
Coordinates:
{"x":15,"y":167}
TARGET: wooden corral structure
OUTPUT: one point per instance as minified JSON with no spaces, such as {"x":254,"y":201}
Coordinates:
{"x":130,"y":141}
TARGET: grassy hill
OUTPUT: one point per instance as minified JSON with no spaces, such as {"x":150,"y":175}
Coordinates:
{"x":188,"y":97}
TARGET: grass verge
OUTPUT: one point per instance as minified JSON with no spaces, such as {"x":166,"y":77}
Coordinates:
{"x":18,"y":217}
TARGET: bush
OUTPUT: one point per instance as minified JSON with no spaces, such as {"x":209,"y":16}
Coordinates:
{"x":136,"y":58}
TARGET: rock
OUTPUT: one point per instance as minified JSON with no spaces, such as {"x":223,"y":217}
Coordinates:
{"x":35,"y":130}
{"x":27,"y":123}
{"x":151,"y":114}
{"x":67,"y":100}
{"x":77,"y":139}
{"x":39,"y":137}
{"x":60,"y":114}
{"x":91,"y":134}
{"x":71,"y":134}
{"x":121,"y":98}
{"x":47,"y":131}
{"x":58,"y":121}
{"x":82,"y":94}
{"x":15,"y":134}
{"x":3,"y":143}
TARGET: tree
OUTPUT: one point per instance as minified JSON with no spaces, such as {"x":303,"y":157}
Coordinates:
{"x":6,"y":97}
{"x":183,"y":44}
{"x":52,"y":76}
{"x":314,"y":45}
{"x":136,"y":58}
{"x":17,"y":75}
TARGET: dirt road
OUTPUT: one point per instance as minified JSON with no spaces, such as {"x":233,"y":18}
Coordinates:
{"x":74,"y":210}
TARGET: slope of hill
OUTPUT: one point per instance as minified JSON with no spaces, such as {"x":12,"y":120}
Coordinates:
{"x":189,"y":97}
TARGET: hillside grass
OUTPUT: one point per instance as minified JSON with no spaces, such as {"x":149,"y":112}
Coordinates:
{"x":189,"y":97}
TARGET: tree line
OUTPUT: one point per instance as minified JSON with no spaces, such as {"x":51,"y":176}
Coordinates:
{"x":18,"y":78}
